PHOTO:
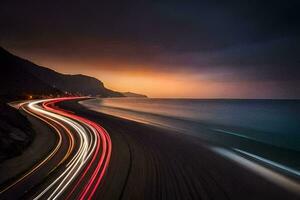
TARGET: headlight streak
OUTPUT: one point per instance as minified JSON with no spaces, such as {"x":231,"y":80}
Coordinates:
{"x":83,"y":175}
{"x":80,"y":157}
{"x":37,"y":166}
{"x":75,"y":165}
{"x":106,"y":151}
{"x":105,"y":165}
{"x":79,"y":161}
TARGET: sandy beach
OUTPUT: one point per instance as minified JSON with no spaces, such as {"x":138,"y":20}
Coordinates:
{"x":152,"y":163}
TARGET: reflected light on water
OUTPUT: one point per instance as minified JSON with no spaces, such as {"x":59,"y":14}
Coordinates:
{"x":266,"y":173}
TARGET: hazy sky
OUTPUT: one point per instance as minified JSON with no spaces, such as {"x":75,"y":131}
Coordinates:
{"x":239,"y":49}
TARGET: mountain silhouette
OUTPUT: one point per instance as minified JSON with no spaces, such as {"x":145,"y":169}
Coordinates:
{"x":21,"y":77}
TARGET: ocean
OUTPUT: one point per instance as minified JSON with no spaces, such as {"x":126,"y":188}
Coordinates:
{"x":267,"y":129}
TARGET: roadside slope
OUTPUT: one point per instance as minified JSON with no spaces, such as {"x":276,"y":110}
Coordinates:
{"x":42,"y":144}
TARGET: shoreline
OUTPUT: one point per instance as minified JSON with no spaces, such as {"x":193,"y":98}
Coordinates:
{"x":235,"y":138}
{"x":152,"y":163}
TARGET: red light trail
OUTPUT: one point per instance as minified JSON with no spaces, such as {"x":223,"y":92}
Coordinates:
{"x":80,"y":166}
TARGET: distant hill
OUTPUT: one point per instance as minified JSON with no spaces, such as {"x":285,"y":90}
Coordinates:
{"x":131,"y":94}
{"x":16,"y":79}
{"x":22,"y":77}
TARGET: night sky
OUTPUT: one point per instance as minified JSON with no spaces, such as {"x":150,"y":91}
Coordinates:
{"x":197,"y":49}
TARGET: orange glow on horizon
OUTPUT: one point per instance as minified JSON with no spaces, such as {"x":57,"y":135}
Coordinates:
{"x":159,"y":83}
{"x":162,"y":85}
{"x":124,"y":77}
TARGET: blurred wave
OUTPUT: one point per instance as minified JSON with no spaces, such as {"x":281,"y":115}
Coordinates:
{"x":268,"y":128}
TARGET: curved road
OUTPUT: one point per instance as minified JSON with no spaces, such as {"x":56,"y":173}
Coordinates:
{"x":75,"y":166}
{"x":144,"y":162}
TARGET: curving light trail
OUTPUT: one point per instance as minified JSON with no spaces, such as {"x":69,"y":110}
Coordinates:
{"x":81,"y":166}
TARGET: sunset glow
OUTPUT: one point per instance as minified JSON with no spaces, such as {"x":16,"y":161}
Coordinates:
{"x":149,"y":100}
{"x":165,"y":49}
{"x":165,"y":82}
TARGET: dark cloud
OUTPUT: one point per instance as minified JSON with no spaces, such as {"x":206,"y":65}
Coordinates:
{"x":241,"y":40}
{"x":185,"y":25}
{"x":272,"y":60}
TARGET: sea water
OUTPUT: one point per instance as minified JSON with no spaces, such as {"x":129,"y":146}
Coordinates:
{"x":268,"y":128}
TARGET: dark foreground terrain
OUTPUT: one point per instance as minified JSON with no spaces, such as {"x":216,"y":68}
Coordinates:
{"x":16,"y":133}
{"x":151,"y":163}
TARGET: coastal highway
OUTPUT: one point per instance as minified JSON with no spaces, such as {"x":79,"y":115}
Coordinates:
{"x":75,"y":166}
{"x":97,"y":156}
